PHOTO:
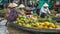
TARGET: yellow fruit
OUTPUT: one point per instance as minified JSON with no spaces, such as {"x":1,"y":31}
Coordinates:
{"x":20,"y":24}
{"x":42,"y":23}
{"x":18,"y":21}
{"x":32,"y":24}
{"x":17,"y":18}
{"x":24,"y":24}
{"x":40,"y":27}
{"x":31,"y":18}
{"x":46,"y":23}
{"x":28,"y":25}
{"x":52,"y":25}
{"x":22,"y":21}
{"x":37,"y":24}
{"x":45,"y":27}
{"x":57,"y":26}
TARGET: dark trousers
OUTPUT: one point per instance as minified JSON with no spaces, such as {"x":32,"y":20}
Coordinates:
{"x":43,"y":15}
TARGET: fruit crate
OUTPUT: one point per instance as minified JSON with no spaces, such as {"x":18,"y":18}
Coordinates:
{"x":35,"y":30}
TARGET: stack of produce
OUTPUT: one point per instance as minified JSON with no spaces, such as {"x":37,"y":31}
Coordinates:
{"x":38,"y":23}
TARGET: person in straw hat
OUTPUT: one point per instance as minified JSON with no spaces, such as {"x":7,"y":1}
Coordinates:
{"x":21,"y":9}
{"x":12,"y":13}
{"x":44,"y":10}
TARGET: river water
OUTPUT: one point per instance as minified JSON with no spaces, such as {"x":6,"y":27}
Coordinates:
{"x":9,"y":30}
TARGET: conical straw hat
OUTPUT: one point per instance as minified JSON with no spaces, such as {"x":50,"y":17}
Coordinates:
{"x":45,"y":4}
{"x":12,"y":5}
{"x":21,"y":6}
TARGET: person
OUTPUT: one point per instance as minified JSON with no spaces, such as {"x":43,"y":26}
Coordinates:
{"x":44,"y":11}
{"x":21,"y":9}
{"x":13,"y":13}
{"x":37,"y":11}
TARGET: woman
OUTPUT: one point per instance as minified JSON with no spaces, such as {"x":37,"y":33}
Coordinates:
{"x":44,"y":11}
{"x":13,"y":13}
{"x":21,"y":9}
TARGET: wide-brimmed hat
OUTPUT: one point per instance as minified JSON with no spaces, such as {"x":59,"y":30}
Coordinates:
{"x":12,"y":5}
{"x":21,"y":6}
{"x":45,"y":4}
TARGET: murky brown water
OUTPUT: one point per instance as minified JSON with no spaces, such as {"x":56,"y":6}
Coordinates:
{"x":9,"y":30}
{"x":15,"y":31}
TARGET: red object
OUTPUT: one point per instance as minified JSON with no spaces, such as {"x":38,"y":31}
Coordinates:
{"x":28,"y":13}
{"x":56,"y":6}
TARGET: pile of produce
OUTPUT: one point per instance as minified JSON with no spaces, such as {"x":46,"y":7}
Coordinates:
{"x":35,"y":22}
{"x":3,"y":11}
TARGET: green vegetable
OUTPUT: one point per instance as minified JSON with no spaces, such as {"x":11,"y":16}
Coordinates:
{"x":3,"y":11}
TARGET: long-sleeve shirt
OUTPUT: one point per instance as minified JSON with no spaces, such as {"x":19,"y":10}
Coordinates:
{"x":13,"y":14}
{"x":21,"y":11}
{"x":44,"y":10}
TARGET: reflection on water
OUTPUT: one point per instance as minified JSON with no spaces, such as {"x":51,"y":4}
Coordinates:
{"x":3,"y":30}
{"x":9,"y":30}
